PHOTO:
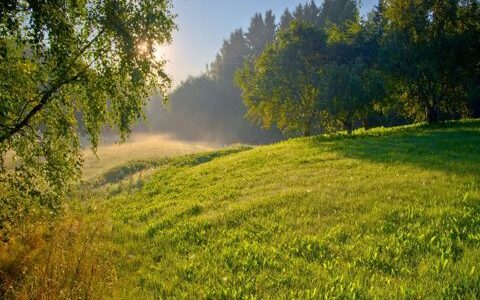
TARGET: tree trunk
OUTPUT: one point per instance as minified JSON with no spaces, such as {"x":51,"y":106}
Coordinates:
{"x":431,"y":114}
{"x":307,"y":132}
{"x":348,"y":125}
{"x":366,"y":124}
{"x":349,"y":128}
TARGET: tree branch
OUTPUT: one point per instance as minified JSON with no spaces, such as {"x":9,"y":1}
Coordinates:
{"x":43,"y":101}
{"x":45,"y":97}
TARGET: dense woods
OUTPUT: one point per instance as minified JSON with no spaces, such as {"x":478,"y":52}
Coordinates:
{"x":321,"y":68}
{"x":412,"y":61}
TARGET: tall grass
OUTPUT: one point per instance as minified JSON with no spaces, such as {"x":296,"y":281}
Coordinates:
{"x":61,"y":260}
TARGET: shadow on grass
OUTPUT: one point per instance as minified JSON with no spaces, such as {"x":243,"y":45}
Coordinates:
{"x":452,"y":147}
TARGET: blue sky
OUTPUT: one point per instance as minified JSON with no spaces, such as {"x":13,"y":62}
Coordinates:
{"x":204,"y":24}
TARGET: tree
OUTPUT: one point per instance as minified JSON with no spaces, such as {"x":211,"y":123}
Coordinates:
{"x":261,"y":32}
{"x":209,"y":106}
{"x":63,"y":59}
{"x":432,"y":49}
{"x":354,"y":81}
{"x":286,"y":19}
{"x":351,"y":91}
{"x":337,"y":12}
{"x":282,"y":86}
{"x":231,"y":56}
{"x":308,"y":12}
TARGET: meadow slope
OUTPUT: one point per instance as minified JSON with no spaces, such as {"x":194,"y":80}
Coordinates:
{"x":388,"y":213}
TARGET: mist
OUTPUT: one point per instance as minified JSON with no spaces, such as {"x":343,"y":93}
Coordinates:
{"x":203,"y":110}
{"x":209,"y":107}
{"x":139,"y":147}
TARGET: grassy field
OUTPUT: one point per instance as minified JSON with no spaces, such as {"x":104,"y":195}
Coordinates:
{"x":388,"y":213}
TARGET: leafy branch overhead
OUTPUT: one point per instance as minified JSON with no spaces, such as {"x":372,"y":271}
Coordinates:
{"x":74,"y":66}
{"x":97,"y":46}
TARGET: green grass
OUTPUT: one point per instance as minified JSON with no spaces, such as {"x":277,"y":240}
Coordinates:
{"x":388,"y":213}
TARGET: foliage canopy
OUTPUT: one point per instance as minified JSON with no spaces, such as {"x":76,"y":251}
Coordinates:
{"x":282,"y":87}
{"x":417,"y":60}
{"x":69,"y":67}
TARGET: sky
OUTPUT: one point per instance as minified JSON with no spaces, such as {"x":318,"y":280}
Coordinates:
{"x":204,"y":24}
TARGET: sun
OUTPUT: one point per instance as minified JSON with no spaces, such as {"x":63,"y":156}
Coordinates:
{"x":160,"y":52}
{"x":142,"y":48}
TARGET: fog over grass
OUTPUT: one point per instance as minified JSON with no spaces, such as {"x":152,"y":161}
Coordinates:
{"x":139,"y":146}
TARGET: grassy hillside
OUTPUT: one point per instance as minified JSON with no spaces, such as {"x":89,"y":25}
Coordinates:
{"x":388,"y":213}
{"x":391,"y":213}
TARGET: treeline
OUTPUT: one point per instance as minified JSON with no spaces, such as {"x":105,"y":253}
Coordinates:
{"x":408,"y":61}
{"x":322,"y":68}
{"x":209,"y":106}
